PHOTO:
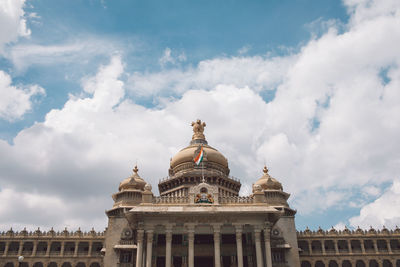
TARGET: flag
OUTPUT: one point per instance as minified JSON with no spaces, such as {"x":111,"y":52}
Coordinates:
{"x":199,"y":158}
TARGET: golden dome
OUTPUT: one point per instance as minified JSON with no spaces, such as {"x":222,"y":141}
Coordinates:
{"x":188,"y":153}
{"x":132,"y":182}
{"x":268,"y":183}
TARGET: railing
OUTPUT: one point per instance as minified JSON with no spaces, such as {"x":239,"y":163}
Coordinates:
{"x":235,"y":200}
{"x":171,"y":200}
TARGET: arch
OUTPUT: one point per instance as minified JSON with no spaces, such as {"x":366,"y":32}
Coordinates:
{"x":346,"y":263}
{"x":81,"y":264}
{"x":52,"y":264}
{"x":303,"y":264}
{"x":96,"y":264}
{"x":387,"y":263}
{"x":373,"y":263}
{"x":333,"y":263}
{"x":38,"y":264}
{"x":319,"y":264}
{"x":9,"y":264}
{"x":66,"y":264}
{"x":23,"y":264}
{"x":360,"y":263}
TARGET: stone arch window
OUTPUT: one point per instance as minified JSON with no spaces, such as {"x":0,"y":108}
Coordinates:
{"x":95,"y":264}
{"x":305,"y":264}
{"x":66,"y":264}
{"x":369,"y":245}
{"x":316,"y":246}
{"x":81,"y":264}
{"x":373,"y":263}
{"x":38,"y":264}
{"x":395,"y":245}
{"x":382,"y":245}
{"x":9,"y":264}
{"x":360,"y":263}
{"x":355,"y":246}
{"x":52,"y":264}
{"x":303,"y":245}
{"x":387,"y":263}
{"x":319,"y":264}
{"x":333,"y":263}
{"x":346,"y":263}
{"x":342,"y":246}
{"x":330,"y":247}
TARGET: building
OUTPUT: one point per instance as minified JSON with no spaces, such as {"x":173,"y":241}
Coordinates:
{"x":199,"y":219}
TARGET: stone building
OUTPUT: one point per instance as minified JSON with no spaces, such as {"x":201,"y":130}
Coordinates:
{"x":199,"y":219}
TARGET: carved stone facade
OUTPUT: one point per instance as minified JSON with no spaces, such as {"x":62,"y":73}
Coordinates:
{"x":199,"y":219}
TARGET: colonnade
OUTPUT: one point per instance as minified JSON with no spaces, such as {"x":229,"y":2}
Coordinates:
{"x":190,"y":229}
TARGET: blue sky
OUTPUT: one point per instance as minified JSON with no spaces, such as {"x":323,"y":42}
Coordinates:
{"x":89,"y":87}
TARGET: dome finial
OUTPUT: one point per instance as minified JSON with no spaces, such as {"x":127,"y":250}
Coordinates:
{"x":198,"y":130}
{"x":265,"y":170}
{"x":135,"y":170}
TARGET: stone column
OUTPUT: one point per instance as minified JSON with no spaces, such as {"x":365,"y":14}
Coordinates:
{"x":76,"y":249}
{"x":310,"y":246}
{"x":375,"y":246}
{"x":336,"y":246}
{"x":139,"y":249}
{"x":349,"y":246}
{"x":62,"y":248}
{"x":389,"y":248}
{"x":267,"y":241}
{"x":239,"y":247}
{"x":48,"y":248}
{"x":323,"y":247}
{"x":191,"y":245}
{"x":149,"y":249}
{"x":217,"y":245}
{"x":168,"y":245}
{"x":6,"y":249}
{"x":362,"y":246}
{"x":90,"y":248}
{"x":21,"y":244}
{"x":257,"y":234}
{"x":35,"y":244}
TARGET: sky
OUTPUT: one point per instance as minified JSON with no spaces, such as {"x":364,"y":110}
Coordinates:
{"x":89,"y":88}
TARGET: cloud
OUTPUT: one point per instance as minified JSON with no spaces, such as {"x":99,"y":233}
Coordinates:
{"x":327,"y":128}
{"x":169,"y":59}
{"x":384,"y":211}
{"x":12,"y":21}
{"x":15,"y":101}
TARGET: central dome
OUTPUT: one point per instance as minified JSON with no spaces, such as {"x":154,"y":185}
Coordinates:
{"x":213,"y":160}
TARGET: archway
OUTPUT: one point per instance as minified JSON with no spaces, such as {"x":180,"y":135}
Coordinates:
{"x":52,"y":264}
{"x":360,"y":263}
{"x":81,"y":264}
{"x":305,"y":264}
{"x":346,"y":263}
{"x":319,"y":264}
{"x":387,"y":263}
{"x":9,"y":264}
{"x":96,"y":264}
{"x":38,"y":264}
{"x":373,"y":263}
{"x":333,"y":264}
{"x":66,"y":264}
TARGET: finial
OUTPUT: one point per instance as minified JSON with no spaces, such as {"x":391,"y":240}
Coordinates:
{"x":198,"y":130}
{"x":265,"y":170}
{"x":135,"y":170}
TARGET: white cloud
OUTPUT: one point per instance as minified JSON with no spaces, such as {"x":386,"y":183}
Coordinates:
{"x":329,"y":128}
{"x":169,"y":59}
{"x":12,"y":21}
{"x":384,"y":211}
{"x":16,"y":101}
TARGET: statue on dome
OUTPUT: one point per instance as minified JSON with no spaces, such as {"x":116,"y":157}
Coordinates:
{"x":198,"y":130}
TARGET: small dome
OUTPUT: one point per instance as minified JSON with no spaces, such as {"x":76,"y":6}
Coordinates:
{"x":132,"y":182}
{"x":268,"y":183}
